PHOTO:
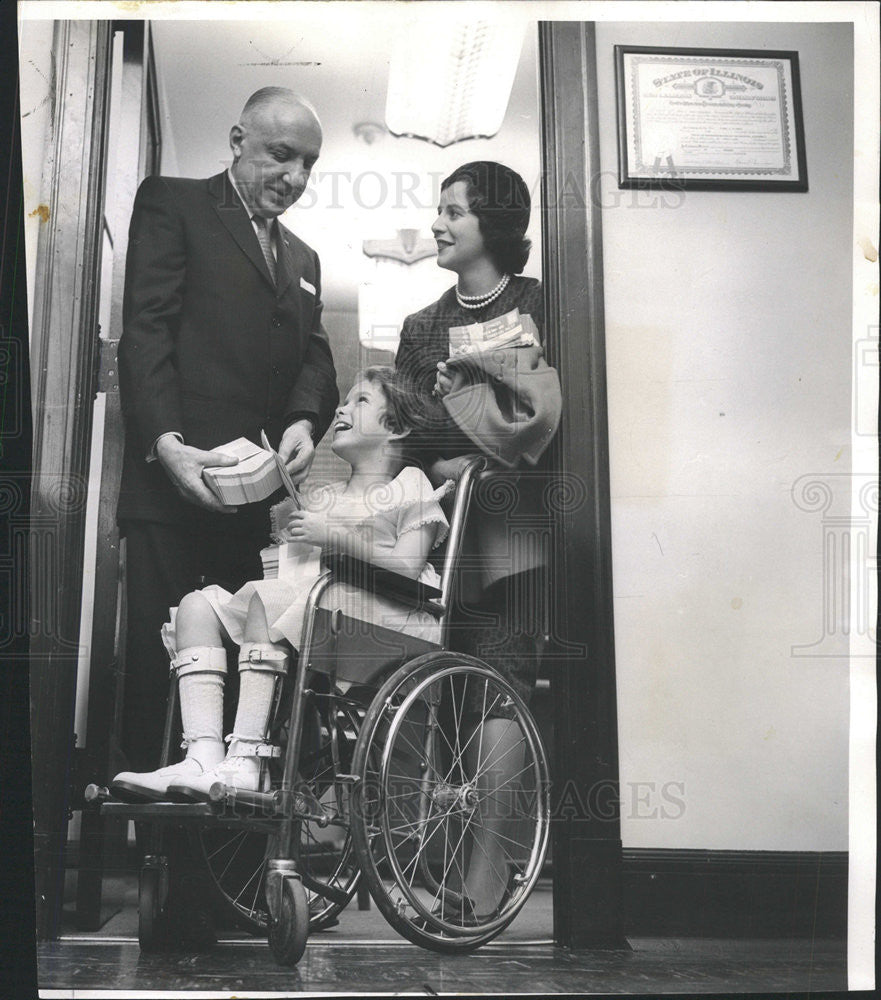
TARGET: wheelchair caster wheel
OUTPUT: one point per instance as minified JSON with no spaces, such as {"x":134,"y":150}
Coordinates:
{"x":288,"y":934}
{"x":152,"y":919}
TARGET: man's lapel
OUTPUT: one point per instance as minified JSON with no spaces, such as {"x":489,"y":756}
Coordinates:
{"x":233,"y":215}
{"x":286,"y":265}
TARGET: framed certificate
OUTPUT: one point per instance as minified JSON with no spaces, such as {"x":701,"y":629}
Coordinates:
{"x":709,"y":119}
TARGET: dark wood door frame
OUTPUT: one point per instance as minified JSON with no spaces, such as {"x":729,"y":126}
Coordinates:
{"x":585,"y":800}
{"x":101,"y":840}
{"x":64,"y":339}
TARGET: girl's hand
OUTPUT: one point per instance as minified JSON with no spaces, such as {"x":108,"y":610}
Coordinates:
{"x":308,"y":526}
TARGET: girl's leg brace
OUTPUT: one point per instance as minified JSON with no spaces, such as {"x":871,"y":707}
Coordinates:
{"x":201,"y":672}
{"x":262,"y":666}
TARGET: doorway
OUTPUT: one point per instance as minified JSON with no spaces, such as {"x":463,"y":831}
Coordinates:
{"x":369,"y":189}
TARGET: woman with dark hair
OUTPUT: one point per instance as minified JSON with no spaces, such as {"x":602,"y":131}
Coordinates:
{"x":476,"y":356}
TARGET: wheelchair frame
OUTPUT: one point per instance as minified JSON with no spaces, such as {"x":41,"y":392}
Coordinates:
{"x":394,"y":847}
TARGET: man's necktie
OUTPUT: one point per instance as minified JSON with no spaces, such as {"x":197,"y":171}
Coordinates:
{"x":265,"y":243}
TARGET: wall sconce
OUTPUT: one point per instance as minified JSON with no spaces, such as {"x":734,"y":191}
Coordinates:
{"x":408,"y":248}
{"x":451,"y":81}
{"x":369,"y":132}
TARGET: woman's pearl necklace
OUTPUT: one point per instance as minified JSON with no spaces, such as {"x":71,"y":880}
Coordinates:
{"x":479,"y":301}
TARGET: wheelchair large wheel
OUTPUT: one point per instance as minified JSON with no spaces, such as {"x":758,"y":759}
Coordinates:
{"x":451,"y":797}
{"x":236,"y":857}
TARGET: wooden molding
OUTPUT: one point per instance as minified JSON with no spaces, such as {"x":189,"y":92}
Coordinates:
{"x":63,"y":341}
{"x":735,"y":894}
{"x":581,"y":655}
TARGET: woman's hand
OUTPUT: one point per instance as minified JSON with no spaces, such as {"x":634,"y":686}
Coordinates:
{"x":447,"y":380}
{"x":308,"y":526}
{"x":448,"y":468}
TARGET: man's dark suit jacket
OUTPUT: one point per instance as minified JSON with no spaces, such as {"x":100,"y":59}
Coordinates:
{"x":210,"y":348}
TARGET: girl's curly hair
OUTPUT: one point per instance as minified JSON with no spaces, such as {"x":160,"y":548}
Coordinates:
{"x":407,"y":410}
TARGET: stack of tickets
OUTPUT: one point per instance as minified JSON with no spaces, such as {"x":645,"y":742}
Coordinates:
{"x":254,"y":478}
{"x":290,"y":559}
{"x":510,"y":330}
{"x":269,"y":557}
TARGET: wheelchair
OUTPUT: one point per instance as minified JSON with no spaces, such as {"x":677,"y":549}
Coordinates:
{"x":382,"y":771}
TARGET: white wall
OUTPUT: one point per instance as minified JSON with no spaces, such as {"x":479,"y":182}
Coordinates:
{"x":728,"y":327}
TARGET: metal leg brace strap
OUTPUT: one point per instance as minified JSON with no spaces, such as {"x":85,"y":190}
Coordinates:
{"x":200,"y":660}
{"x":264,"y":657}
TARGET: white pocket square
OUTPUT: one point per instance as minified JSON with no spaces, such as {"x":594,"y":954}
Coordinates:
{"x":304,"y":284}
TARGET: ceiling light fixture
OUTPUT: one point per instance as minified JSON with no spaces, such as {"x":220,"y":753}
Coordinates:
{"x":449,"y":81}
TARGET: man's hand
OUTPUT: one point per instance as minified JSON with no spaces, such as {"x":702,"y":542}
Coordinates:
{"x":297,"y":450}
{"x":183,"y":465}
{"x":308,"y":526}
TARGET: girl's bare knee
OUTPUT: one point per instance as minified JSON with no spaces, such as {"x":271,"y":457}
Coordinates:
{"x":195,"y":614}
{"x":256,"y":626}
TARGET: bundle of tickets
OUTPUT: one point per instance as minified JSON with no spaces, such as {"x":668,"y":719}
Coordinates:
{"x":510,"y":330}
{"x":290,"y":559}
{"x":279,"y":516}
{"x":254,"y":478}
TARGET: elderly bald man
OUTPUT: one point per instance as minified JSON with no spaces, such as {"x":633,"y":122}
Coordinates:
{"x":222,"y":338}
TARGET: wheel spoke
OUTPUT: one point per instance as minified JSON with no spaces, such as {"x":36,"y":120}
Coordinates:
{"x":237,"y":837}
{"x":258,"y":875}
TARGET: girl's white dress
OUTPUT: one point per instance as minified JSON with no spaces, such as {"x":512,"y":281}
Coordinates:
{"x":409,"y":501}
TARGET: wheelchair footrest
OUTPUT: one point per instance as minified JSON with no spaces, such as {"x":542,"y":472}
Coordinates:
{"x":157,"y":810}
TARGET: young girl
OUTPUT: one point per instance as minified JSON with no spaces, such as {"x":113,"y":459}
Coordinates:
{"x":386,"y":513}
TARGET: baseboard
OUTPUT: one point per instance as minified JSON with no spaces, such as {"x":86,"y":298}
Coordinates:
{"x":710,"y":894}
{"x":735,"y":894}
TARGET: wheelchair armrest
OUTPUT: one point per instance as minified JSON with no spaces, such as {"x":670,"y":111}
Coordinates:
{"x":383,"y":582}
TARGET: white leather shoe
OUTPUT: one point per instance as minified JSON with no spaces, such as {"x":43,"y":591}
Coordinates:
{"x":235,"y":772}
{"x":152,"y":786}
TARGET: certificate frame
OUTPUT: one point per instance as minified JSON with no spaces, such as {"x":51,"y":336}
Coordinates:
{"x":709,"y":119}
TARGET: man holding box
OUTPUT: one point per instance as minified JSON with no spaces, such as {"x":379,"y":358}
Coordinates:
{"x":222,"y":338}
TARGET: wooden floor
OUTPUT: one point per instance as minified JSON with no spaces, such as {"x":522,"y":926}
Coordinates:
{"x":653,"y":967}
{"x":364,"y":955}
